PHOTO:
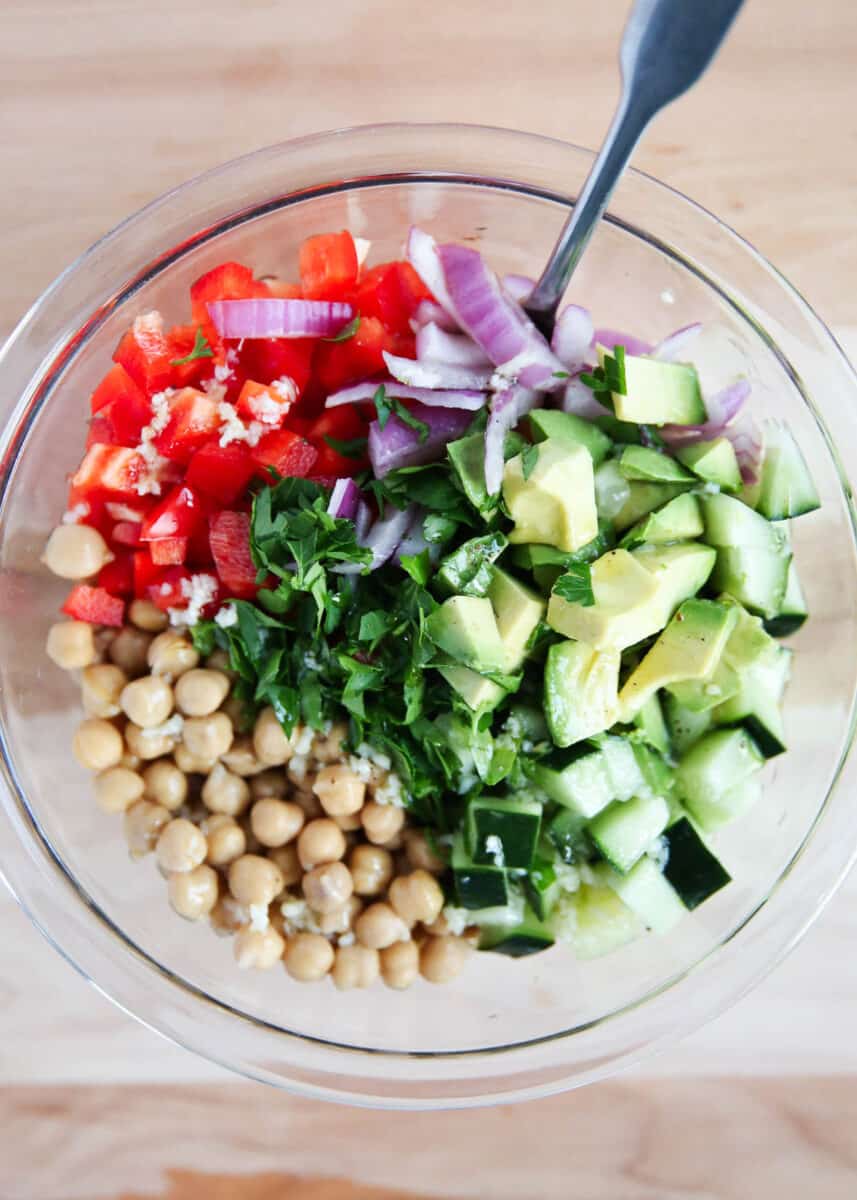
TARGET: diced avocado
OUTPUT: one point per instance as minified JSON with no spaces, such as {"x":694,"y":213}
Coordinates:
{"x":466,"y":628}
{"x":679,"y":570}
{"x":711,"y":774}
{"x":476,"y":691}
{"x":477,"y":885}
{"x":580,"y":691}
{"x":553,"y":501}
{"x":627,"y":607}
{"x":624,"y":501}
{"x":518,"y":611}
{"x":530,"y":936}
{"x":625,"y":830}
{"x":569,"y":430}
{"x":689,"y":648}
{"x":503,"y":832}
{"x":534,"y":555}
{"x":714,"y":461}
{"x":467,"y":456}
{"x":650,"y":721}
{"x":787,"y":487}
{"x":793,"y":611}
{"x":468,"y":570}
{"x":646,"y":892}
{"x":702,"y":695}
{"x":686,"y":726}
{"x":679,"y":520}
{"x":691,"y":868}
{"x":577,"y":779}
{"x":603,"y":922}
{"x":650,"y":466}
{"x":658,"y":393}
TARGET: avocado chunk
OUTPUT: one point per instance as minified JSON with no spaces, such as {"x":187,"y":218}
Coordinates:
{"x":580,"y":691}
{"x":650,"y":466}
{"x":466,"y":628}
{"x":679,"y":570}
{"x":518,"y":611}
{"x":715,"y":462}
{"x":476,"y":691}
{"x":627,"y":606}
{"x":679,"y":520}
{"x":569,"y":430}
{"x":658,"y":393}
{"x":689,"y":648}
{"x":467,"y":456}
{"x":623,"y":501}
{"x":553,"y":500}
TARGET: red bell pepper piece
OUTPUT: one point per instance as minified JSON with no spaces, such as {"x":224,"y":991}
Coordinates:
{"x":121,"y":422}
{"x":221,"y":472}
{"x":145,"y":354}
{"x":117,"y":577}
{"x":392,"y":292}
{"x":286,"y":452}
{"x":166,"y":590}
{"x":176,"y":516}
{"x":229,"y":536}
{"x":343,"y":424}
{"x":338,"y":364}
{"x":194,"y":418}
{"x":264,"y":403}
{"x":283,"y":290}
{"x":267,"y":359}
{"x":168,"y":552}
{"x":94,"y":605}
{"x":145,"y":573}
{"x":126,"y":533}
{"x":182,"y":341}
{"x":229,"y":281}
{"x":109,"y":469}
{"x":328,"y":266}
{"x":117,"y":384}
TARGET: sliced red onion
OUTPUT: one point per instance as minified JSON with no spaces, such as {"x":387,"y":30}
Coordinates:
{"x":414,"y":541}
{"x":275,"y":317}
{"x":344,"y":499}
{"x":748,"y":443}
{"x":435,"y":375}
{"x":436,"y":345}
{"x":362,"y":520}
{"x":430,"y":313}
{"x":507,"y":408}
{"x":610,"y":338}
{"x":422,"y":254}
{"x":671,"y":347}
{"x":722,"y":408}
{"x":572,"y":336}
{"x":386,"y":534}
{"x":397,"y":445}
{"x":358,"y":393}
{"x":518,"y":287}
{"x":580,"y":400}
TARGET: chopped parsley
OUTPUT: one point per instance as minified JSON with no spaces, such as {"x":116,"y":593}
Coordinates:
{"x":611,"y":376}
{"x":575,"y":585}
{"x":388,"y":406}
{"x":201,"y":349}
{"x":348,"y":331}
{"x":353,"y":448}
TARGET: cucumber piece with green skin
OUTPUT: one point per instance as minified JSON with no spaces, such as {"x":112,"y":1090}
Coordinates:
{"x":755,"y":576}
{"x":603,"y":923}
{"x":570,"y":430}
{"x":657,"y":774}
{"x":787,"y":488}
{"x":577,"y":779}
{"x":729,"y":522}
{"x":567,"y":835}
{"x":623,"y":768}
{"x":713,"y":462}
{"x":467,"y":456}
{"x":692,"y":870}
{"x":625,"y":830}
{"x":541,"y":887}
{"x":640,"y":463}
{"x":648,"y":893}
{"x":756,"y":702}
{"x":477,"y":886}
{"x":624,"y":501}
{"x":714,"y":812}
{"x":711,"y":774}
{"x":580,"y":691}
{"x":679,"y":520}
{"x":793,"y":611}
{"x":503,"y":832}
{"x":468,"y":570}
{"x":686,"y":726}
{"x":530,"y":936}
{"x":650,"y":721}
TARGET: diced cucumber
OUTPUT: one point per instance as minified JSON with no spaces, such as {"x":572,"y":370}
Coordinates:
{"x":577,"y":779}
{"x":712,"y":772}
{"x":650,"y":466}
{"x":650,"y":721}
{"x":714,"y":461}
{"x":626,"y":778}
{"x":648,"y":893}
{"x":657,"y":774}
{"x":755,"y":576}
{"x":686,"y":726}
{"x":793,"y":610}
{"x":541,"y":886}
{"x":679,"y":520}
{"x":477,"y":886}
{"x":530,"y":936}
{"x":625,"y":830}
{"x":700,"y":695}
{"x":713,"y":812}
{"x":729,"y":522}
{"x":622,"y":501}
{"x":567,"y":835}
{"x":503,"y":832}
{"x":603,"y":923}
{"x":570,"y":430}
{"x":756,"y":701}
{"x":787,"y":487}
{"x":691,"y":868}
{"x":581,"y":686}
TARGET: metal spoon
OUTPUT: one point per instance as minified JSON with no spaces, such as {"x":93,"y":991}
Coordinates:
{"x":666,"y":47}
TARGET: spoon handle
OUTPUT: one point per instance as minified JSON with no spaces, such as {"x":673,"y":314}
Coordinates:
{"x":666,"y":47}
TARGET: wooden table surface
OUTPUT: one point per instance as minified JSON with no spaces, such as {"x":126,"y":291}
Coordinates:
{"x":106,"y":103}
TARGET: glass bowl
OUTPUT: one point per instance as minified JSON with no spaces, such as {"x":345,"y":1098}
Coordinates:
{"x":506,"y":1029}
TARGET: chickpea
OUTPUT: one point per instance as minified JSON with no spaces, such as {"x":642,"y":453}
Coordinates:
{"x":416,"y":897}
{"x":320,"y":841}
{"x":328,"y":888}
{"x":171,"y":654}
{"x":340,"y":791}
{"x":349,"y":823}
{"x":236,"y":711}
{"x":100,"y":689}
{"x":165,"y":784}
{"x":275,"y":822}
{"x":218,"y":660}
{"x":269,"y":783}
{"x":400,"y":964}
{"x":327,"y":748}
{"x":371,"y":869}
{"x":190,"y":764}
{"x":147,"y":701}
{"x":146,"y":743}
{"x":309,"y":804}
{"x":193,"y":894}
{"x":71,"y":644}
{"x":355,"y":967}
{"x":147,"y":616}
{"x":308,"y":957}
{"x":254,"y":880}
{"x":200,"y":692}
{"x":256,"y":948}
{"x":76,"y":552}
{"x":286,"y":858}
{"x":208,"y":737}
{"x":130,"y":761}
{"x":97,"y":745}
{"x":181,"y":846}
{"x":420,"y":853}
{"x":381,"y":822}
{"x":129,"y":649}
{"x":378,"y":926}
{"x":228,"y":916}
{"x":103,"y":641}
{"x":224,"y":792}
{"x":443,"y":958}
{"x":117,"y":789}
{"x":272,"y":746}
{"x":298,"y":775}
{"x":143,"y":824}
{"x":340,"y":920}
{"x":241,"y":758}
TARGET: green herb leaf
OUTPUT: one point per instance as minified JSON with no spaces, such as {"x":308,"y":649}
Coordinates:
{"x":418,"y":566}
{"x":529,"y":458}
{"x":576,"y":585}
{"x":201,"y":349}
{"x":348,"y":449}
{"x":373,"y":625}
{"x":438,"y":529}
{"x":383,"y":407}
{"x":204,"y":637}
{"x":561,"y":375}
{"x":419,"y":427}
{"x":468,"y":570}
{"x":347,"y":332}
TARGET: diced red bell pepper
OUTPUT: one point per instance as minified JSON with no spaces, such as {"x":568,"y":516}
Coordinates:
{"x":199,"y":548}
{"x":229,"y":281}
{"x":283,"y":290}
{"x":229,"y":535}
{"x":286,"y":452}
{"x":121,"y":422}
{"x":166,"y":589}
{"x":338,"y":364}
{"x":177,"y":515}
{"x":194,"y":418}
{"x":392,"y":292}
{"x":145,"y":354}
{"x":168,"y":552}
{"x":328,"y":265}
{"x":109,"y":469}
{"x":343,"y":424}
{"x":126,"y":533}
{"x":267,"y":359}
{"x":94,"y":605}
{"x":117,"y":384}
{"x":181,"y":340}
{"x":221,"y":472}
{"x":131,"y":510}
{"x":264,"y":403}
{"x":145,"y":573}
{"x":117,"y":577}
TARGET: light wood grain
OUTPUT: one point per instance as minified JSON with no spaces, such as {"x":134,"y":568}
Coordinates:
{"x":665,"y":1140}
